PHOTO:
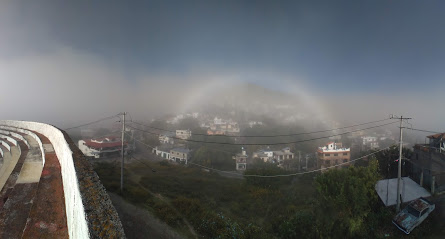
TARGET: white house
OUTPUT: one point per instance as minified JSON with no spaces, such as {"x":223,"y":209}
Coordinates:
{"x":102,"y":147}
{"x":180,"y":155}
{"x":163,"y":152}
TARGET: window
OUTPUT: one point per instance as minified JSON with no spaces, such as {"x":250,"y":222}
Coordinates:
{"x":345,"y":160}
{"x":345,"y":154}
{"x":327,"y":155}
{"x":335,"y":154}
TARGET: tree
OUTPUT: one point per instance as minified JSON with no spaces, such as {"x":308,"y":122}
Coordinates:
{"x":300,"y":225}
{"x":388,"y":161}
{"x":344,"y":199}
{"x":212,"y":157}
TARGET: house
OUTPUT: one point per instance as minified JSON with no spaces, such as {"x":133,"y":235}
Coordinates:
{"x":183,"y":134}
{"x":167,"y":138}
{"x":162,"y":151}
{"x":215,"y":132}
{"x":332,"y":154}
{"x":254,"y":123}
{"x":241,"y":160}
{"x":180,"y":155}
{"x":280,"y":155}
{"x":370,"y":143}
{"x":427,"y":163}
{"x":274,"y":156}
{"x":109,"y":146}
{"x":222,"y":127}
{"x":265,"y":154}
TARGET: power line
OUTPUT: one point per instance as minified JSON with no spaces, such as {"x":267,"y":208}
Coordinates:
{"x":291,"y":174}
{"x":97,"y":121}
{"x":140,"y":161}
{"x":422,"y":130}
{"x":145,"y":143}
{"x":268,"y":136}
{"x":281,"y":143}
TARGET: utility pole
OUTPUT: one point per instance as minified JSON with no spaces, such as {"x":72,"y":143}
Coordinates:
{"x":399,"y":170}
{"x":299,"y":160}
{"x":122,"y":163}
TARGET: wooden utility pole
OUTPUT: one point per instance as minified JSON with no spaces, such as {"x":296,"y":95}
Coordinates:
{"x":122,"y":163}
{"x":399,"y":170}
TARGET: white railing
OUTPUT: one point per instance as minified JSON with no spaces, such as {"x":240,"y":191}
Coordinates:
{"x":75,"y":213}
{"x":12,"y":140}
{"x":32,"y":134}
{"x":6,"y":145}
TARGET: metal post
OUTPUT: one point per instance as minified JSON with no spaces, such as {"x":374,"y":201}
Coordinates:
{"x":421,"y":178}
{"x":433,"y":182}
{"x":299,"y":161}
{"x":122,"y":152}
{"x":399,"y":170}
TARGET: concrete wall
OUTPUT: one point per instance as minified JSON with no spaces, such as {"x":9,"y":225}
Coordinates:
{"x":76,"y":218}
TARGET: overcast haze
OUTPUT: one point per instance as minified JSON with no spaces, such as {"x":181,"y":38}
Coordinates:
{"x":69,"y":62}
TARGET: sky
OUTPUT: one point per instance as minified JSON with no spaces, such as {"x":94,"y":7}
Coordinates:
{"x":80,"y":60}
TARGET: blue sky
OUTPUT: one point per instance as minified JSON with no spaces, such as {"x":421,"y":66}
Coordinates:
{"x":335,"y":47}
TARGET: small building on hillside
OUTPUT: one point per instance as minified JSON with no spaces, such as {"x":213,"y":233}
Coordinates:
{"x":167,"y":138}
{"x":183,"y":134}
{"x":215,"y":132}
{"x":241,"y":160}
{"x":332,"y":154}
{"x":110,"y":146}
{"x":273,"y":156}
{"x":180,"y":155}
{"x":370,"y":143}
{"x":162,"y":151}
{"x":282,"y":154}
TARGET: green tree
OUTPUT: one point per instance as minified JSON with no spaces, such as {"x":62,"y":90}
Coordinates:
{"x":300,"y":225}
{"x":344,"y":199}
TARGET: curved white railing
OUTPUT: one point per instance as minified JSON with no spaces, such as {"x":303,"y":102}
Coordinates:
{"x":10,"y":139}
{"x":76,"y":217}
{"x":15,"y":135}
{"x":6,"y":145}
{"x":32,"y":134}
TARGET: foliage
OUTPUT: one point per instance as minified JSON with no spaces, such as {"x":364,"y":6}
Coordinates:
{"x":343,"y":200}
{"x":388,"y":161}
{"x":300,"y":225}
{"x":214,"y":158}
{"x":266,"y":169}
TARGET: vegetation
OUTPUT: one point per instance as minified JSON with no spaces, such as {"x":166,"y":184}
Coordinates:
{"x":339,"y":203}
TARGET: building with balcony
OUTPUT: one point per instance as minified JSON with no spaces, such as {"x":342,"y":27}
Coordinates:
{"x":180,"y":155}
{"x":332,"y":154}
